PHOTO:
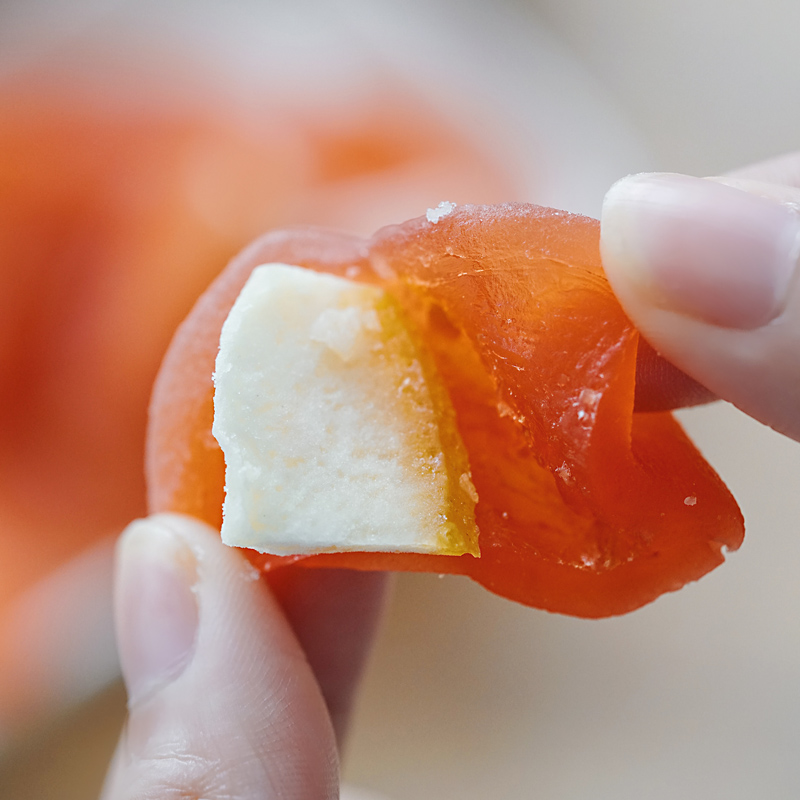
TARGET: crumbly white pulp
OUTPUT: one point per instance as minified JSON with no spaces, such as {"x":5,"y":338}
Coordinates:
{"x":326,"y":422}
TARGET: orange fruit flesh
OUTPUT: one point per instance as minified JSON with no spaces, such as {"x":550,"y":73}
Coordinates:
{"x":586,"y":508}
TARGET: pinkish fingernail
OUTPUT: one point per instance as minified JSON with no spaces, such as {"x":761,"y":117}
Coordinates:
{"x":156,"y":609}
{"x":701,"y":248}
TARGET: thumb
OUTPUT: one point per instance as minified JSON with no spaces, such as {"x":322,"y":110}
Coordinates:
{"x":222,"y":703}
{"x":706,"y":271}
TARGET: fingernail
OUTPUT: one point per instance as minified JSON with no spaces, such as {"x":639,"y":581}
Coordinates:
{"x":156,"y":609}
{"x":700,"y":248}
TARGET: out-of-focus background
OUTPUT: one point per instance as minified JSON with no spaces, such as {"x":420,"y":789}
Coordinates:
{"x":158,"y":138}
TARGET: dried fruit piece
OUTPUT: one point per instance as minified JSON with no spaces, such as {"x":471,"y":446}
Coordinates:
{"x":583,"y":503}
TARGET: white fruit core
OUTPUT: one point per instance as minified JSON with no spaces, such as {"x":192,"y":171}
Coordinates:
{"x":328,"y":427}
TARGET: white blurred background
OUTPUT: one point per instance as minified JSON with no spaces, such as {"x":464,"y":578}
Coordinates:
{"x":468,"y":696}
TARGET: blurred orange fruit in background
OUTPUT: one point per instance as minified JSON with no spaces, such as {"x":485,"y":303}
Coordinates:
{"x":119,"y":203}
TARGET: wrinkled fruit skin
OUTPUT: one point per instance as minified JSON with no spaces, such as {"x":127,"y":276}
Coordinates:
{"x":586,"y":508}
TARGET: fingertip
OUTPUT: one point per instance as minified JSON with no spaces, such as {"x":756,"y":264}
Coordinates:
{"x":155,"y":606}
{"x":707,"y":273}
{"x":224,"y":703}
{"x":700,"y":248}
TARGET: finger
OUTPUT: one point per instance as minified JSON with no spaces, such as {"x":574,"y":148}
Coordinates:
{"x":661,"y":386}
{"x":334,"y":614}
{"x":707,"y":273}
{"x":222,"y":703}
{"x":784,"y":170}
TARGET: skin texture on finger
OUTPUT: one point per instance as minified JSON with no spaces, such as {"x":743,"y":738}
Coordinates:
{"x":232,"y":710}
{"x":660,"y":385}
{"x":707,"y":274}
{"x":334,"y":614}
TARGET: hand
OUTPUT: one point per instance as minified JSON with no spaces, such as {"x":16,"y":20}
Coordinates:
{"x":706,"y":269}
{"x":233,"y":693}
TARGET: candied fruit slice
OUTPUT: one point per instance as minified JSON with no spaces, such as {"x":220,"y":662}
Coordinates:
{"x":586,"y":507}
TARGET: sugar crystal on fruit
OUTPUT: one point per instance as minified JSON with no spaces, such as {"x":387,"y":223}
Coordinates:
{"x":442,"y":210}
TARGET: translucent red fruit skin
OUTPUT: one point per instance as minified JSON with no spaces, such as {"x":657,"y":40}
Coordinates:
{"x":586,"y":508}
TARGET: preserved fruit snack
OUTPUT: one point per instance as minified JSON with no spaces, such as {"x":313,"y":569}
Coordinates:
{"x":585,"y":507}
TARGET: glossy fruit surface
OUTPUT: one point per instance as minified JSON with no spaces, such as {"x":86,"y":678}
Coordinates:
{"x":586,"y":508}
